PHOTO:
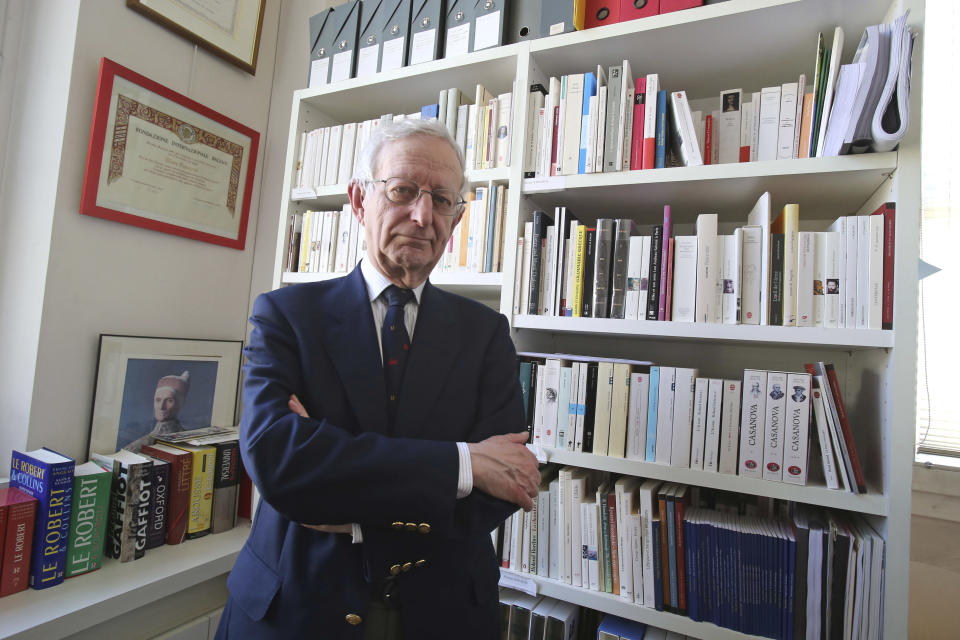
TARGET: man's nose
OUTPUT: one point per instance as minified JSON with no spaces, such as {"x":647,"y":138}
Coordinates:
{"x":422,"y":211}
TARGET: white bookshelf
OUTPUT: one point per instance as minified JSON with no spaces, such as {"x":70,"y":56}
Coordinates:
{"x":119,"y":587}
{"x":740,"y":43}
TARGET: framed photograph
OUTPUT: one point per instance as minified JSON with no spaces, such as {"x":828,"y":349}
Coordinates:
{"x":153,"y":386}
{"x":227,"y":28}
{"x":162,"y":161}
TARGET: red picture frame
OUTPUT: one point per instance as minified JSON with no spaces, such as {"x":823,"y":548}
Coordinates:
{"x":171,"y":163}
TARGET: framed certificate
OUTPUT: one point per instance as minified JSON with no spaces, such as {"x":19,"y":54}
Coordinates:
{"x":227,"y":28}
{"x":162,"y":161}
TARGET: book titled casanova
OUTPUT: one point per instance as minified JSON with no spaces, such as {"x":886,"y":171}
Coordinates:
{"x":47,"y":476}
{"x":88,"y":518}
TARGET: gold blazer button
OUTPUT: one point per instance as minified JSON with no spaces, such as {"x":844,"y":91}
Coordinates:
{"x":411,"y":526}
{"x":353,"y":619}
{"x":423,"y":528}
{"x":395,"y":570}
{"x":397,"y":525}
{"x":407,"y":566}
{"x":419,"y":563}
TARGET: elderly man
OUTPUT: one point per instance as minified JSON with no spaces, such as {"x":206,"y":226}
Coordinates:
{"x":167,"y":402}
{"x":383,"y":425}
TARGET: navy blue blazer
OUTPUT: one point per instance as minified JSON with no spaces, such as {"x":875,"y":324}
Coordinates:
{"x":341,"y":465}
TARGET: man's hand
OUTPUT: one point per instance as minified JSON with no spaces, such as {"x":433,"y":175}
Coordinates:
{"x":506,"y":469}
{"x":297,"y":408}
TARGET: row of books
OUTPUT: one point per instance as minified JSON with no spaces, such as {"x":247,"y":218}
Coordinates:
{"x":757,"y":426}
{"x":535,"y":617}
{"x":755,"y":565}
{"x":59,"y":519}
{"x":482,"y":129}
{"x":766,"y":272}
{"x":333,"y":242}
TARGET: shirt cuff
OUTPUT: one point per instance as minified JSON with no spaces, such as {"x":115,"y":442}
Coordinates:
{"x":357,"y":533}
{"x":465,"y":479}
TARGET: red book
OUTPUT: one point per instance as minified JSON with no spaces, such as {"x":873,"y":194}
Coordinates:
{"x":636,"y":145}
{"x":554,"y":169}
{"x":831,"y":395}
{"x":629,"y":10}
{"x":181,"y":473}
{"x":708,"y":139}
{"x":662,"y":498}
{"x":614,"y":547}
{"x":244,"y":508}
{"x":888,"y":211}
{"x":18,"y":512}
{"x":600,"y":12}
{"x":668,"y":312}
{"x":666,"y":6}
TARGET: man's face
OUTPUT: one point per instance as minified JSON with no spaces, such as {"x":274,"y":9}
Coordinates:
{"x":166,"y":405}
{"x":406,"y":241}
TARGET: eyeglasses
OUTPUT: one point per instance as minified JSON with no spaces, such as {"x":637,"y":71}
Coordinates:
{"x":446,"y":202}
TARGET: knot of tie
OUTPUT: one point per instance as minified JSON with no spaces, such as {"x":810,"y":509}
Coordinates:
{"x":397,"y":297}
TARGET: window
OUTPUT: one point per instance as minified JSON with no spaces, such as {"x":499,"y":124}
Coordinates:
{"x":938,"y":413}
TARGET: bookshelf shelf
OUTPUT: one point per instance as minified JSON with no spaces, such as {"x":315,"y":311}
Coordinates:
{"x":870,"y":503}
{"x":803,"y":337}
{"x":117,"y":587}
{"x":609,"y":603}
{"x":831,"y":186}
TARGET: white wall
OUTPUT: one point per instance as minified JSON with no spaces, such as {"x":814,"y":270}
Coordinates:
{"x":102,"y":276}
{"x":28,"y":200}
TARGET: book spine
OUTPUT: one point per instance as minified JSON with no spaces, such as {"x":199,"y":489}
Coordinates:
{"x":846,"y":428}
{"x":602,"y":264}
{"x":226,"y":487}
{"x":590,"y":407}
{"x":52,"y":485}
{"x":797,"y":435}
{"x":88,"y":521}
{"x":639,"y":102}
{"x":17,"y":546}
{"x":201,"y":493}
{"x":159,"y":505}
{"x":613,"y":558}
{"x":660,"y":151}
{"x":776,"y":279}
{"x":729,"y":420}
{"x":711,"y":445}
{"x":652,"y":410}
{"x":589,"y":252}
{"x":667,"y":234}
{"x":618,"y":278}
{"x":752,"y":422}
{"x":653,"y":280}
{"x":774,"y":422}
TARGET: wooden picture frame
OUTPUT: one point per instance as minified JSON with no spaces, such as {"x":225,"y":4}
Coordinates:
{"x":229,"y":29}
{"x":161,"y":161}
{"x":164,"y":385}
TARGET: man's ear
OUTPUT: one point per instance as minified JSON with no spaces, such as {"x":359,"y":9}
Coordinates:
{"x":356,"y":193}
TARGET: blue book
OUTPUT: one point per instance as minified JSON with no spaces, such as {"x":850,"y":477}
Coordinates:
{"x":660,"y":153}
{"x":589,"y":90}
{"x":47,"y":476}
{"x":674,"y":604}
{"x":491,"y":227}
{"x":651,"y":454}
{"x":428,"y":111}
{"x":625,"y":629}
{"x":791,"y":572}
{"x":690,"y":536}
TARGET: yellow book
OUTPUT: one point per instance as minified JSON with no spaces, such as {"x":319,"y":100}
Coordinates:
{"x":201,"y":487}
{"x":788,"y":223}
{"x":578,"y":270}
{"x":305,"y":240}
{"x":579,"y":11}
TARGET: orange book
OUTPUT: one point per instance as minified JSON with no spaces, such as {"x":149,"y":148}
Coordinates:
{"x":806,"y":115}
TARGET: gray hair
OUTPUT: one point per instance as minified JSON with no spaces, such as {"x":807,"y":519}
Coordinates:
{"x":397,"y":130}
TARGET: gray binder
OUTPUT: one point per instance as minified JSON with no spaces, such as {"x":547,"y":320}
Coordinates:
{"x":369,"y":45}
{"x":338,"y":41}
{"x":458,"y":38}
{"x":489,"y":23}
{"x":557,"y":17}
{"x":395,"y":34}
{"x":523,"y":20}
{"x":426,"y":30}
{"x":319,"y":74}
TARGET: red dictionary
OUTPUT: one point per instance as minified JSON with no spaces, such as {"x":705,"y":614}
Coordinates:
{"x":600,"y":12}
{"x":888,"y":211}
{"x":18,"y":512}
{"x":636,"y":144}
{"x":708,"y":139}
{"x":666,"y":6}
{"x":629,"y":10}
